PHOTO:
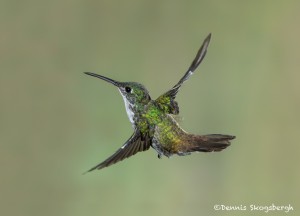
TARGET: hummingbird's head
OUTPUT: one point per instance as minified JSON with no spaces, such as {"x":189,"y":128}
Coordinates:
{"x":135,"y":95}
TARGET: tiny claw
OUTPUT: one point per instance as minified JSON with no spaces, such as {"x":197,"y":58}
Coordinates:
{"x":159,"y":156}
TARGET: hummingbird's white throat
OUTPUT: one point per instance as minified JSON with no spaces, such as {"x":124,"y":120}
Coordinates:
{"x":128,"y":108}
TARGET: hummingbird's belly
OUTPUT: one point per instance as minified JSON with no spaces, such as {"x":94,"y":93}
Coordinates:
{"x":167,"y":137}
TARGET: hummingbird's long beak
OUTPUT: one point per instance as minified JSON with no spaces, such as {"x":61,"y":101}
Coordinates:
{"x":116,"y":83}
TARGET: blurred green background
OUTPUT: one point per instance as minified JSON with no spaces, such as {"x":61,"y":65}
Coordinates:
{"x":57,"y":122}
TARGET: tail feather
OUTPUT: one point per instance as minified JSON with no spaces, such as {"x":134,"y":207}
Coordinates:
{"x":211,"y":142}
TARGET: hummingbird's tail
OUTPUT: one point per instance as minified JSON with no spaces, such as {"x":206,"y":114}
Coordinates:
{"x":210,"y":142}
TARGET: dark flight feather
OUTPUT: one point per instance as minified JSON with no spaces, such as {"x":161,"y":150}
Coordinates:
{"x":168,"y":98}
{"x":136,"y":143}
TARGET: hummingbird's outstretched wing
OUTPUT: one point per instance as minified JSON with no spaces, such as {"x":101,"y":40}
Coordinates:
{"x":136,"y":143}
{"x":167,"y":100}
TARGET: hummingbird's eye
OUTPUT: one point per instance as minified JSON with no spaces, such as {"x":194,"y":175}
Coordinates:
{"x":127,"y":89}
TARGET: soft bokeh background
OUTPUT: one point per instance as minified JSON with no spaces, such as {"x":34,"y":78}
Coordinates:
{"x":56,"y":122}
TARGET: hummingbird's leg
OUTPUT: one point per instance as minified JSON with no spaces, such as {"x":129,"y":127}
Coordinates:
{"x":159,"y":156}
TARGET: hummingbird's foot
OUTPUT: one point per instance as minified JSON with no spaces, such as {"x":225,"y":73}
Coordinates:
{"x":159,"y":156}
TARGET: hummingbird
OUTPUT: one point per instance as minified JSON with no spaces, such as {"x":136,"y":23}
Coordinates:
{"x":154,"y":121}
